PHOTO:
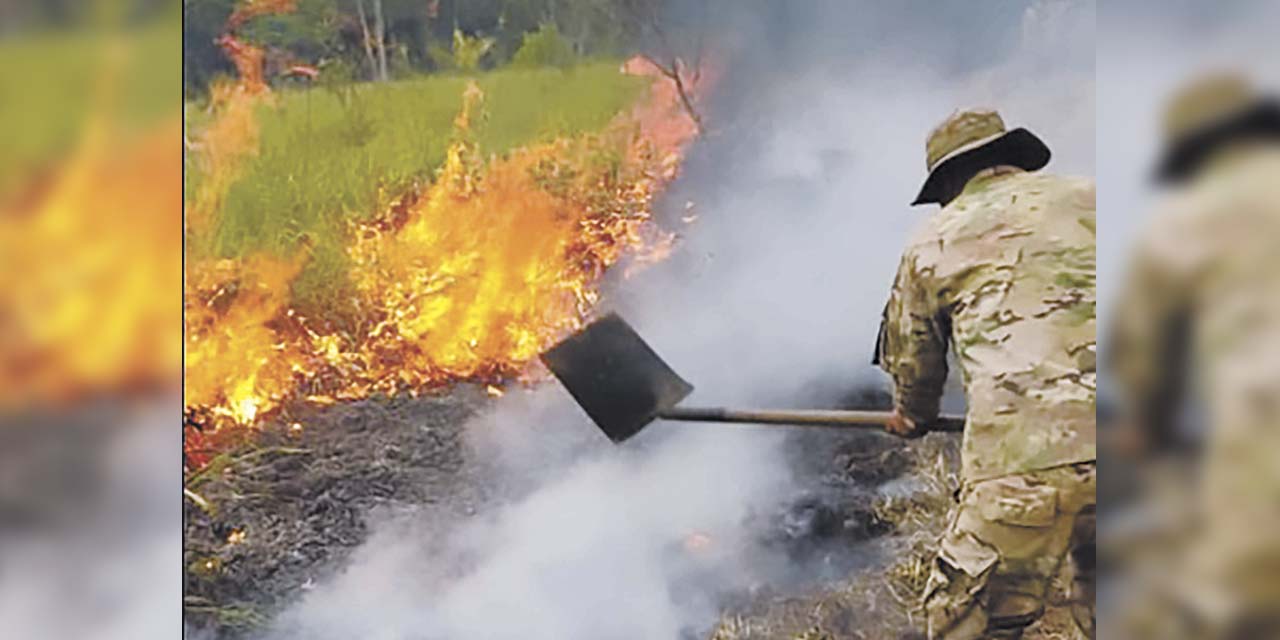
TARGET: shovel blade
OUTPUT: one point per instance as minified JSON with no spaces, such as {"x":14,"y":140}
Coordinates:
{"x":615,"y":377}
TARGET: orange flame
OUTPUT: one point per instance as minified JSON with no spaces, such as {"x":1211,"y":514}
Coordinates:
{"x":83,"y":307}
{"x":233,"y":135}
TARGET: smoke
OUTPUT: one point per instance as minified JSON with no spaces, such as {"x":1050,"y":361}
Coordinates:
{"x":88,"y":533}
{"x":800,"y":188}
{"x":803,"y":205}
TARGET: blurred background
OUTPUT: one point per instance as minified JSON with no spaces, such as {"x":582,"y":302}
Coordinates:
{"x":1188,"y":125}
{"x":90,"y":324}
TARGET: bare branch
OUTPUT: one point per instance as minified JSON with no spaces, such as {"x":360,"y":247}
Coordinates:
{"x":645,"y":15}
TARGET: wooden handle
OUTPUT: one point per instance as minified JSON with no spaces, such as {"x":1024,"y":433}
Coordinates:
{"x":813,"y":418}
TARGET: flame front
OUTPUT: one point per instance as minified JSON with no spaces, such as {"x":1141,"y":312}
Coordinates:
{"x":89,"y":250}
{"x":493,"y":263}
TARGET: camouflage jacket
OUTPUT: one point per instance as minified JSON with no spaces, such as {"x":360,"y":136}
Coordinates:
{"x":1204,"y":287}
{"x":1005,"y":273}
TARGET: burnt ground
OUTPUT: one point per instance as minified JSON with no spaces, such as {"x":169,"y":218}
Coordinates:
{"x":286,"y":512}
{"x":879,"y":505}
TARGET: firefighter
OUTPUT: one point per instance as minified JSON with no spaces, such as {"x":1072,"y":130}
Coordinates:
{"x":1204,"y":284}
{"x":1004,"y":275}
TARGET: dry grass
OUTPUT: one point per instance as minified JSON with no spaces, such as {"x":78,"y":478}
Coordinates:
{"x":883,"y":602}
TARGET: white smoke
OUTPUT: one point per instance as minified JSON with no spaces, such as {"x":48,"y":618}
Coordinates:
{"x":772,"y":300}
{"x":90,"y":536}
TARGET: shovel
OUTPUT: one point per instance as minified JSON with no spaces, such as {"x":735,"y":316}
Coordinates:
{"x":623,"y":386}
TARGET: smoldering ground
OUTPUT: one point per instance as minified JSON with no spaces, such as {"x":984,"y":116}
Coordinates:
{"x":800,"y":190}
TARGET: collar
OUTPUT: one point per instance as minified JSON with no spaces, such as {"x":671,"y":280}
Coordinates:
{"x":981,"y":179}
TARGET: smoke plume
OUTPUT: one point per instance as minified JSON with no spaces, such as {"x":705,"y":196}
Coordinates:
{"x":814,"y":148}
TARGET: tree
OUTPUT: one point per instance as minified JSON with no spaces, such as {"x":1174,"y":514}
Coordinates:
{"x":202,"y":60}
{"x":375,"y":39}
{"x":544,"y":48}
{"x":366,"y":39}
{"x":309,"y":32}
{"x":380,"y":30}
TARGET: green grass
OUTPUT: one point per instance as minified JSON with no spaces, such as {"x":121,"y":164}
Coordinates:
{"x":323,"y":159}
{"x":49,"y":86}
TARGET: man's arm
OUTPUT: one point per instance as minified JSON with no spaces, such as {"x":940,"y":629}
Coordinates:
{"x":1148,"y":354}
{"x":913,"y":346}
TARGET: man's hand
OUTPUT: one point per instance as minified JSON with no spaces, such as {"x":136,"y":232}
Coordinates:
{"x":900,"y":425}
{"x":1124,"y":439}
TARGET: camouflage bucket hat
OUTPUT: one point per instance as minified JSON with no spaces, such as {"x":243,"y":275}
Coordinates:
{"x":1208,"y":112}
{"x":970,"y":141}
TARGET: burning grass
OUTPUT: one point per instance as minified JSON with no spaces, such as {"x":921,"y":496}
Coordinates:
{"x":468,"y":277}
{"x":89,"y":200}
{"x":336,"y":153}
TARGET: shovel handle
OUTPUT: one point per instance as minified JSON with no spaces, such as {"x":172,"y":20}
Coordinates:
{"x":813,"y":418}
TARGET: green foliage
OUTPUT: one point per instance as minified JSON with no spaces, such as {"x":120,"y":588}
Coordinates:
{"x":441,"y":56}
{"x":343,"y":151}
{"x":202,"y":60}
{"x":309,"y":32}
{"x":590,"y":27}
{"x":420,"y":35}
{"x":357,"y":126}
{"x":468,"y":51}
{"x":544,"y":48}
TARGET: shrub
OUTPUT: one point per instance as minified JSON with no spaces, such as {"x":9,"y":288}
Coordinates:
{"x":465,"y":54}
{"x":441,"y":56}
{"x":468,"y":51}
{"x":544,"y":48}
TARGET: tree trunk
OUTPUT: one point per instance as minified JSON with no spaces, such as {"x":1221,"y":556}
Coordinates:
{"x":368,"y":40}
{"x":380,"y":27}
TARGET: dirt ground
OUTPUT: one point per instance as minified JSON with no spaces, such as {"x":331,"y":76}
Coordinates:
{"x":286,"y":512}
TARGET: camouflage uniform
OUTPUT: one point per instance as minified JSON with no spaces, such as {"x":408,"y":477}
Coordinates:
{"x":1205,"y":286}
{"x":1005,"y":273}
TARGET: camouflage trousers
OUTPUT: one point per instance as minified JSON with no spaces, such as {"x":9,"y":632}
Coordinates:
{"x":1007,"y":540}
{"x":1211,"y":573}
